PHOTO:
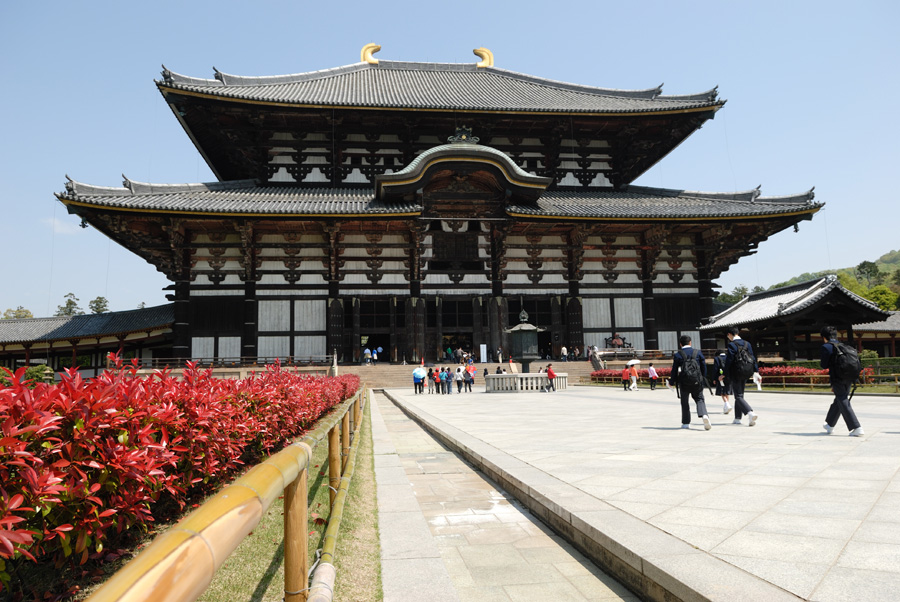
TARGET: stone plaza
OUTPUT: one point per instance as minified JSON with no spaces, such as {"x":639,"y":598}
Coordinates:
{"x":779,"y":511}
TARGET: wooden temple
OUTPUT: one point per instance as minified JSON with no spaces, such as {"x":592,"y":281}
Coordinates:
{"x":416,"y":206}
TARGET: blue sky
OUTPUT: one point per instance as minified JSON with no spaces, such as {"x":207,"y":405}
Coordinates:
{"x":812,"y":91}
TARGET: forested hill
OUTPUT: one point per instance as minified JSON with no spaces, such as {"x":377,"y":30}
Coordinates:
{"x":878,"y":281}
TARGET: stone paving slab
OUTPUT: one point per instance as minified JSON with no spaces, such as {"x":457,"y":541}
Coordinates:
{"x":777,"y":511}
{"x":449,"y":533}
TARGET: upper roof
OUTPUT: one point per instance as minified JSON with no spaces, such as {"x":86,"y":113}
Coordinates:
{"x":86,"y":326}
{"x":784,"y":301}
{"x":438,"y":86}
{"x":247,"y":197}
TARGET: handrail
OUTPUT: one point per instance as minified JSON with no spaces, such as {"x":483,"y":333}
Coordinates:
{"x":322,"y":586}
{"x":179,"y":564}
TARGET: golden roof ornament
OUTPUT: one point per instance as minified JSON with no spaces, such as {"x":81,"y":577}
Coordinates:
{"x":366,"y":53}
{"x":486,"y":56}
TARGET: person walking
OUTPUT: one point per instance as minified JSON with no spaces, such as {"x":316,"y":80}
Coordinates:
{"x":626,"y":379}
{"x":689,"y":374}
{"x":374,"y":357}
{"x":633,"y":374}
{"x":722,"y":390}
{"x":843,"y":367}
{"x":740,"y":364}
{"x":429,"y":380}
{"x":551,"y":376}
{"x":443,"y":377}
{"x":653,"y":375}
{"x":417,"y":380}
{"x":564,"y":354}
{"x":458,"y":378}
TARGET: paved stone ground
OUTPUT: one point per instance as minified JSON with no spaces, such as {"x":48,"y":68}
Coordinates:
{"x":816,"y":515}
{"x":448,"y":533}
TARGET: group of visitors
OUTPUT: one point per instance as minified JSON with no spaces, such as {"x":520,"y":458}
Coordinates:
{"x":440,"y":380}
{"x":738,"y":364}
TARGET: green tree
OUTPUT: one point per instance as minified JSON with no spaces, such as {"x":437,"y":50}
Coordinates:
{"x":757,"y":289}
{"x":849,"y":282}
{"x":869,"y":273}
{"x":70,"y":307}
{"x":883,"y":297}
{"x":734,"y":296}
{"x":99,"y":305}
{"x":17,"y":314}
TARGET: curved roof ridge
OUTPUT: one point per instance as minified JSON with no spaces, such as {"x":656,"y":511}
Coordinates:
{"x":648,"y":93}
{"x":745,"y":195}
{"x":130,"y":187}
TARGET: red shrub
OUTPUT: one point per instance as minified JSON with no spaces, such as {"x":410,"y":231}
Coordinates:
{"x":82,"y":461}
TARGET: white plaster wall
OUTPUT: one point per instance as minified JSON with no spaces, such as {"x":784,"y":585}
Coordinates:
{"x":274,"y":315}
{"x":629,"y":313}
{"x":309,"y":315}
{"x":595,"y":314}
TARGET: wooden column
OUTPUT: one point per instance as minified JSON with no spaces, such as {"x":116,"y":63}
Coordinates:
{"x":706,"y":295}
{"x":789,"y":343}
{"x":181,"y":328}
{"x":648,"y":307}
{"x":74,"y":344}
{"x":893,"y":344}
{"x":356,"y":336}
{"x":392,"y":340}
{"x":477,"y":327}
{"x":557,"y":331}
{"x":334,"y":336}
{"x":439,"y":326}
{"x":250,"y":331}
{"x":575,"y":325}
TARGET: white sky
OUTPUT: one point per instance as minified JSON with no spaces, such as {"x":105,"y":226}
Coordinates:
{"x":812,"y":92}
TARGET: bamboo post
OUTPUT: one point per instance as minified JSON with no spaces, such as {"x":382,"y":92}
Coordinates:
{"x":296,"y":544}
{"x":334,"y":462}
{"x":345,"y":440}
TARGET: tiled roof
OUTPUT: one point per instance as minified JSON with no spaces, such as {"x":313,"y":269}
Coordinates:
{"x":891,"y":324}
{"x":642,"y":202}
{"x":784,"y":301}
{"x":247,"y":197}
{"x":86,"y":326}
{"x":238,"y":196}
{"x":459,"y":86}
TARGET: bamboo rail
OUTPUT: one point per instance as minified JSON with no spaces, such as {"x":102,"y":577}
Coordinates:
{"x":179,"y":565}
{"x":322,"y":586}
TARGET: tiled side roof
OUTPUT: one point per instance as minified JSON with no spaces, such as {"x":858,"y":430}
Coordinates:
{"x":240,"y":196}
{"x":461,"y":86}
{"x":86,"y":326}
{"x":246,"y":197}
{"x":642,"y":202}
{"x":757,"y":307}
{"x":891,"y":324}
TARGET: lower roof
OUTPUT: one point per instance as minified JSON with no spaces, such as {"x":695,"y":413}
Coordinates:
{"x":32,"y":330}
{"x":786,"y":301}
{"x":249,"y":198}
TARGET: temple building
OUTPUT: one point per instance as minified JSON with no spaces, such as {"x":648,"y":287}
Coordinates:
{"x":420,"y":206}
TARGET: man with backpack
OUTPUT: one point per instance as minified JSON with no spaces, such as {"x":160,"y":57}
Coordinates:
{"x":843,"y":371}
{"x":689,"y":374}
{"x":740,"y":364}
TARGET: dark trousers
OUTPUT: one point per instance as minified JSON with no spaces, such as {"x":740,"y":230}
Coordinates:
{"x":626,"y":384}
{"x":697,"y":394}
{"x":841,"y":407}
{"x":550,"y":385}
{"x":418,"y":387}
{"x":653,"y":384}
{"x":741,"y":407}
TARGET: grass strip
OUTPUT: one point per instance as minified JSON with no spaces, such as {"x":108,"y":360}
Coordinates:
{"x":255,"y":571}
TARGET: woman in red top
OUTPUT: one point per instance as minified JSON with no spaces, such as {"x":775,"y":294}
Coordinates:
{"x":550,"y":376}
{"x":626,"y":378}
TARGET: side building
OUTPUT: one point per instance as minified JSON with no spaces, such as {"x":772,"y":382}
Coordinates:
{"x":354,"y":209}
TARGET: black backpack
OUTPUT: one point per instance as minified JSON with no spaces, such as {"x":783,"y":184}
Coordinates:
{"x":743,"y":364}
{"x":845,"y":365}
{"x":690,"y":376}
